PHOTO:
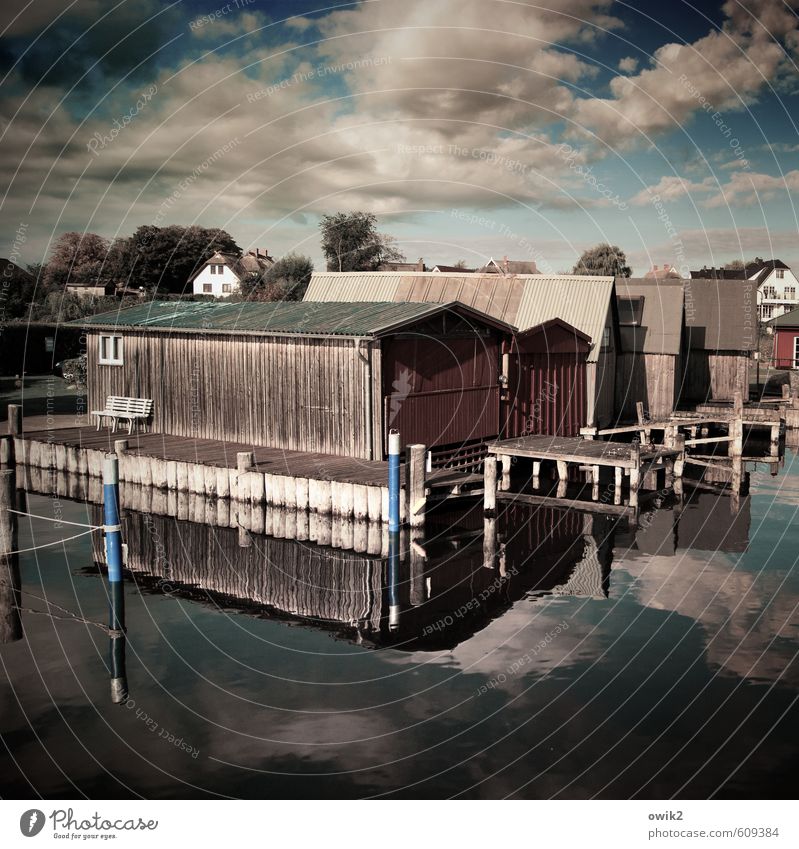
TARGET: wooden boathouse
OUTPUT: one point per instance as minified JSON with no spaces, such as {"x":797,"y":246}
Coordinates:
{"x":525,"y":301}
{"x":545,"y":369}
{"x":328,"y":378}
{"x":650,"y":360}
{"x":721,"y":333}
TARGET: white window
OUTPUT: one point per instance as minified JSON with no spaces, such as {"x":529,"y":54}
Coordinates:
{"x":780,"y":273}
{"x":790,"y":293}
{"x":208,"y":287}
{"x":605,"y":337}
{"x":213,"y":269}
{"x":226,"y":287}
{"x":111,"y":350}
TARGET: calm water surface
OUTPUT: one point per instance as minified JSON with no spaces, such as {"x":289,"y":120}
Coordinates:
{"x":586,"y":659}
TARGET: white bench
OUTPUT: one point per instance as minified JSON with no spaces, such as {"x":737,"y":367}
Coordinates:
{"x":117,"y":407}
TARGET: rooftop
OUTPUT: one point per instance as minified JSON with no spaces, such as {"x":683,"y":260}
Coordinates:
{"x":370,"y":319}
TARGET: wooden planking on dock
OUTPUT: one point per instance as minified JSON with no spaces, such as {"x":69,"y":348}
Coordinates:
{"x":211,"y":452}
{"x":572,"y":449}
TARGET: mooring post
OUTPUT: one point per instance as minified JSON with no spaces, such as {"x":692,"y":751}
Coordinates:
{"x":490,"y":485}
{"x":111,"y":526}
{"x":113,"y":555}
{"x":416,"y":474}
{"x":394,"y":449}
{"x":15,"y":419}
{"x":10,"y":621}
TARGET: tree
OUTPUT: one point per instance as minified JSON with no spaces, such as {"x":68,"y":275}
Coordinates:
{"x":164,"y":258}
{"x":351,"y":242}
{"x":286,"y":280}
{"x":604,"y":259}
{"x":78,"y":259}
{"x":734,"y":265}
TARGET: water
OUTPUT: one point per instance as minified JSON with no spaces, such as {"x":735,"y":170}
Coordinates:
{"x":591,"y":660}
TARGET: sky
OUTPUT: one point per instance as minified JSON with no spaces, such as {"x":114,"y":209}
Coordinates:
{"x":471,"y":128}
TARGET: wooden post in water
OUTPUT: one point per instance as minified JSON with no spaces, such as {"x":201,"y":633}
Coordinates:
{"x":490,"y":485}
{"x":415,"y":484}
{"x":595,"y":483}
{"x":563,"y":477}
{"x":507,"y":462}
{"x":245,"y":460}
{"x":618,"y":477}
{"x":736,"y":443}
{"x":15,"y":419}
{"x":10,"y":620}
{"x":635,"y":474}
{"x":536,"y":474}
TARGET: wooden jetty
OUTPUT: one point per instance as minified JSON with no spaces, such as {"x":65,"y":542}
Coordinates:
{"x":633,"y":461}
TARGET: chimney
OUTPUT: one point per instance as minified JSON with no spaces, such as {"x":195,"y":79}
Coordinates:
{"x":505,"y":264}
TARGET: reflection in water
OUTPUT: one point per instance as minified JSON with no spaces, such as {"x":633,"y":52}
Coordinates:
{"x":428,"y":593}
{"x":544,"y":652}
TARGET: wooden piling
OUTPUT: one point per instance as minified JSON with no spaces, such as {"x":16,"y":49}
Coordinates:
{"x":244,"y":462}
{"x":415,"y":485}
{"x":507,"y":463}
{"x":618,"y":477}
{"x":490,"y":484}
{"x":635,"y":474}
{"x":10,"y":620}
{"x":15,"y":419}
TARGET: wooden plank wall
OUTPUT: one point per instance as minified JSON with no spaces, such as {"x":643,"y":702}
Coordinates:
{"x":715,"y":375}
{"x":649,"y":378}
{"x":300,"y":394}
{"x":601,"y":389}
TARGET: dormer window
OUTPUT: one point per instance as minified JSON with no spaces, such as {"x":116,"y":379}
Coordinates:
{"x":631,"y":311}
{"x":780,"y":273}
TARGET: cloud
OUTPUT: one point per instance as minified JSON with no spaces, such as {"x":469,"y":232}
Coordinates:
{"x":629,"y":64}
{"x":724,"y":70}
{"x":744,"y":188}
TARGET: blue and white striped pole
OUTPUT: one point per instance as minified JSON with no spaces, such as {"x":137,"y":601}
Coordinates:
{"x":116,"y":590}
{"x":394,"y":449}
{"x":111,"y":526}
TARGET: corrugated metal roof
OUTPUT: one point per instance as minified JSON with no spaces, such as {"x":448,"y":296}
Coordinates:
{"x":660,"y":331}
{"x":721,"y":315}
{"x":356,"y":286}
{"x":582,"y":301}
{"x":523,"y":300}
{"x":328,"y":318}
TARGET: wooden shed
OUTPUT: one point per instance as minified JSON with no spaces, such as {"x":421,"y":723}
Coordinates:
{"x":650,"y":361}
{"x":522,"y":300}
{"x":329,"y":378}
{"x":546,"y":381}
{"x":721,"y":332}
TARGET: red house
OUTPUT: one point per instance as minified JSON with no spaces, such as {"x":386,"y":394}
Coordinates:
{"x":786,"y":339}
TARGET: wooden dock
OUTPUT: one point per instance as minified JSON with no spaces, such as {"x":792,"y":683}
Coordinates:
{"x":631,"y":460}
{"x":326,"y":484}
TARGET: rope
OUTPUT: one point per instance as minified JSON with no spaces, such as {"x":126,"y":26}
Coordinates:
{"x":70,"y":617}
{"x":51,"y":519}
{"x":48,"y":544}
